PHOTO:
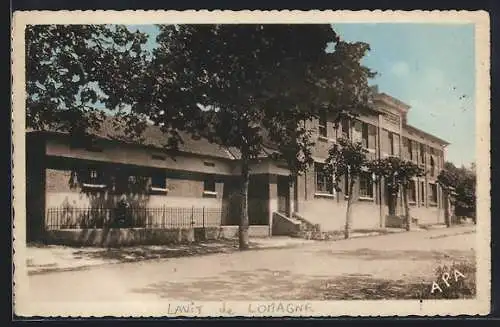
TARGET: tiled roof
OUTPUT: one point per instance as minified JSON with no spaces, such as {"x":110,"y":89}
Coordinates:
{"x":153,"y":136}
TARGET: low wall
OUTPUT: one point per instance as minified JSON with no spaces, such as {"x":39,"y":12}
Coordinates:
{"x":330,"y":214}
{"x":116,"y":237}
{"x":284,"y":226}
{"x":253,"y":231}
{"x":119,"y":236}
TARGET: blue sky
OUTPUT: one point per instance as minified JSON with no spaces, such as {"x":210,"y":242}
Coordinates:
{"x":428,"y":66}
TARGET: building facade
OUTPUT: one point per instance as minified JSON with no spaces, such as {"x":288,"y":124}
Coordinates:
{"x":81,"y":187}
{"x":384,"y":133}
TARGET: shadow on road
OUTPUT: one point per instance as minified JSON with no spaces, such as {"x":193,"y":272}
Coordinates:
{"x":370,"y":254}
{"x":265,"y":284}
{"x":140,"y":253}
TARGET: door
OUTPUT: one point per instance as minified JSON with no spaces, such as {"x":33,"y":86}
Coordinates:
{"x":283,"y":195}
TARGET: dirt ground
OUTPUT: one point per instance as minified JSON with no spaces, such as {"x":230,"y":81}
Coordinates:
{"x":392,"y":266}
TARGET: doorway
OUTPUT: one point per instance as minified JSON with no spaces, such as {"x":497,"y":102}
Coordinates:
{"x":283,"y":195}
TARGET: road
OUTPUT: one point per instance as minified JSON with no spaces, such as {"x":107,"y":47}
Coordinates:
{"x":306,"y":272}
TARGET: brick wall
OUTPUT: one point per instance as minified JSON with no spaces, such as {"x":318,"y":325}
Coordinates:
{"x":183,"y":193}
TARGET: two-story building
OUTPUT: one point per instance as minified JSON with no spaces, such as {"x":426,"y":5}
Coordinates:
{"x":383,"y":133}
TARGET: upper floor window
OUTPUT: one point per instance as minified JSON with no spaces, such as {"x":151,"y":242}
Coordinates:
{"x":322,"y":124}
{"x":391,"y":143}
{"x":372,"y":136}
{"x":364,"y":134}
{"x":410,"y":149}
{"x":324,"y":180}
{"x":422,"y":153}
{"x":433,"y":167}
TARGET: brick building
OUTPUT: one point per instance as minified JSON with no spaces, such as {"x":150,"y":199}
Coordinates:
{"x":385,"y":132}
{"x":75,"y":188}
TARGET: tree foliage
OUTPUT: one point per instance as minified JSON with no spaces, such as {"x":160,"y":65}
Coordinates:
{"x":397,"y":175}
{"x":240,"y":86}
{"x":396,"y":172}
{"x":347,"y":158}
{"x":461,"y":182}
{"x":246,"y":86}
{"x":73,"y":72}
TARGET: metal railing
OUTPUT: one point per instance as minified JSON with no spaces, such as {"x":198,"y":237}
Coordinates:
{"x":161,"y":217}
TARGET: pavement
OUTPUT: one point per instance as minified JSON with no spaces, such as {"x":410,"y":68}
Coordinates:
{"x":55,"y":258}
{"x":361,"y":268}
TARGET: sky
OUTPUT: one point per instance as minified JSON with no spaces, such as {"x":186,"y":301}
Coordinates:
{"x":430,"y":67}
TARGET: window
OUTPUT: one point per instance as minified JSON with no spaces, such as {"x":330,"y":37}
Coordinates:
{"x":345,"y":127}
{"x":395,"y":140}
{"x":364,"y":135}
{"x":372,"y":136}
{"x":412,"y":195}
{"x":422,"y":153}
{"x":324,"y":180}
{"x":422,"y":193}
{"x":322,"y":124}
{"x":410,"y":149}
{"x":406,"y":147}
{"x":93,"y":178}
{"x":209,"y":184}
{"x":356,"y":131}
{"x":157,"y":157}
{"x":158,"y":181}
{"x":433,"y":193}
{"x":366,"y":185}
{"x":433,"y":167}
{"x":391,"y":143}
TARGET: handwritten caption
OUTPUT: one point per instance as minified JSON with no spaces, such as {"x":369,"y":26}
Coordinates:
{"x":240,"y":308}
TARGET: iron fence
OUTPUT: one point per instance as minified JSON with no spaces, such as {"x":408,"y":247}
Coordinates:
{"x":162,"y":217}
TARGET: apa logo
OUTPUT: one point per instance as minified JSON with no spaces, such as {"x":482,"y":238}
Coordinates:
{"x":445,"y":278}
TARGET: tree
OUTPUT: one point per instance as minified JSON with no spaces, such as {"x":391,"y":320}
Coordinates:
{"x":239,"y":85}
{"x":348,"y":159}
{"x":459,"y":185}
{"x":343,"y":93}
{"x":397,"y":174}
{"x":73,"y":72}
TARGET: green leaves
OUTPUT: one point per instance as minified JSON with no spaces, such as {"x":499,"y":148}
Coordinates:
{"x":346,"y":158}
{"x":74,"y":71}
{"x":462,"y":182}
{"x":395,"y":171}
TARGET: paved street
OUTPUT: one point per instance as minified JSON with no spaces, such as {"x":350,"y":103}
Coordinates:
{"x":323,"y":270}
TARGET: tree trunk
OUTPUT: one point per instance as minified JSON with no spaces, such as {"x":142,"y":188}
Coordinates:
{"x":381,"y":202}
{"x":244,"y":221}
{"x":347,"y":230}
{"x":407,"y":209}
{"x":447,"y":219}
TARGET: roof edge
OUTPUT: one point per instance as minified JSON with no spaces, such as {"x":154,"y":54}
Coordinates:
{"x":418,"y":130}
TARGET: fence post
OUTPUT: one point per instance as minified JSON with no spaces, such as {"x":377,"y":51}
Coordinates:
{"x":203,"y":212}
{"x":192,"y":217}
